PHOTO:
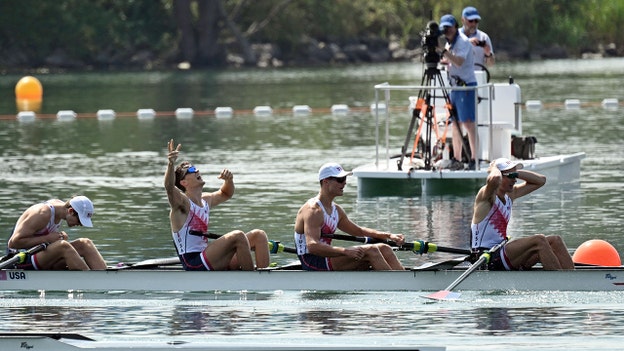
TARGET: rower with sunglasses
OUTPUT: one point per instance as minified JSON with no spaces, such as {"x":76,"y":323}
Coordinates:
{"x":190,"y":217}
{"x":320,"y":215}
{"x":492,"y":213}
{"x":481,"y":43}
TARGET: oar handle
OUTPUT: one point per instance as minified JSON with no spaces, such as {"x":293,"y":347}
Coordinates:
{"x":21,"y":256}
{"x":419,"y":246}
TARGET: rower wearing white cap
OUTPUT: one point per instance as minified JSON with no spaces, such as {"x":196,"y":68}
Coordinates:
{"x":492,"y":212}
{"x":41,"y":223}
{"x":320,"y":215}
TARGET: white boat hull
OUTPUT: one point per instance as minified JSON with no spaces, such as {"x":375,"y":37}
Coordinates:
{"x":582,"y":279}
{"x":73,"y":342}
{"x":388,"y":180}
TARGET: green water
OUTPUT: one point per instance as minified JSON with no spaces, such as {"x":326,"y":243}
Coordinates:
{"x":119,"y":164}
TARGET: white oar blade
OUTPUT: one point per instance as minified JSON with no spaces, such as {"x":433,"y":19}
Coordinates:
{"x":444,"y":295}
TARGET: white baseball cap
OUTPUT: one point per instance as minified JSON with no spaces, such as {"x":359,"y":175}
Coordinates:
{"x":84,"y":208}
{"x":332,"y":170}
{"x":505,"y":164}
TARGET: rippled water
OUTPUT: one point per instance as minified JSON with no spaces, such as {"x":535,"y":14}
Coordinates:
{"x":119,"y":164}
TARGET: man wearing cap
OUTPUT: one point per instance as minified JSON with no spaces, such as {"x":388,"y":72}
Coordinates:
{"x":41,"y":223}
{"x":320,"y":215}
{"x":481,"y":43}
{"x":458,"y":53}
{"x":492,"y":212}
{"x":190,"y":218}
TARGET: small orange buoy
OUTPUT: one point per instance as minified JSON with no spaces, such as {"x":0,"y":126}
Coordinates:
{"x":28,"y":88}
{"x":598,"y":252}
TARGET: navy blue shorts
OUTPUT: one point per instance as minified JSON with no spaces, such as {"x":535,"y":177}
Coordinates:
{"x":195,"y":261}
{"x":311,"y":262}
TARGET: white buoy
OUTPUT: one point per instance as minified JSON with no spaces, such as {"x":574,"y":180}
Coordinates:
{"x":184,"y":113}
{"x":533,"y":105}
{"x":263,"y":111}
{"x":146,"y":113}
{"x":26,"y":116}
{"x":104,"y":115}
{"x":301,"y":110}
{"x":340,"y":109}
{"x":223,"y":112}
{"x":66,"y":115}
{"x":610,"y":104}
{"x":572,"y":104}
{"x":380,"y":107}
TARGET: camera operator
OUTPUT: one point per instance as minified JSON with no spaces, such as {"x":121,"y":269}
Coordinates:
{"x":458,"y":54}
{"x":482,"y":45}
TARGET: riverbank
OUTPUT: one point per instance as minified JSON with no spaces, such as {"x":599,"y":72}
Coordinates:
{"x":309,"y":52}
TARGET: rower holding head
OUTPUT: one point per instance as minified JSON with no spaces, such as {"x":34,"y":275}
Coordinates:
{"x":41,"y":223}
{"x":492,"y":212}
{"x":320,"y":215}
{"x":190,"y":216}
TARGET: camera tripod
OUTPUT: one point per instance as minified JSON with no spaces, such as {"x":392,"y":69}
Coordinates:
{"x":425,"y":104}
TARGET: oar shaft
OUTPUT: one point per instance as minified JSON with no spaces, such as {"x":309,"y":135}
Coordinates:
{"x":416,"y":246}
{"x":20,"y":257}
{"x":484,"y":257}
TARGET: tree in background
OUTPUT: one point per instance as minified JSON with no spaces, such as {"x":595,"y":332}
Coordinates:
{"x":146,"y":34}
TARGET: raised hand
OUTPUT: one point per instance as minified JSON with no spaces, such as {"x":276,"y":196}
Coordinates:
{"x":172,"y":156}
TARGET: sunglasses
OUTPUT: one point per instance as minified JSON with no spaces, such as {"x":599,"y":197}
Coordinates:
{"x":191,"y":169}
{"x":511,"y":175}
{"x":474,"y":21}
{"x":339,"y":180}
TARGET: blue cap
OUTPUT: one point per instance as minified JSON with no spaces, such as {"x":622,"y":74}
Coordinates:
{"x":471,"y":13}
{"x":447,"y":21}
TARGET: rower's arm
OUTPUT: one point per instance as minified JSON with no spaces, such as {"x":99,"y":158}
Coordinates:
{"x":532,"y":182}
{"x":485,"y":197}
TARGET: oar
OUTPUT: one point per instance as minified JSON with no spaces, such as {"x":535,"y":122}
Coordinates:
{"x":416,"y":246}
{"x":274,"y":245}
{"x":147,"y":264}
{"x":447,"y":294}
{"x":20,"y":257}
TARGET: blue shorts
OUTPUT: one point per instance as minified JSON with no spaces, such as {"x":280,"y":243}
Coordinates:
{"x":311,"y":262}
{"x":464,"y":103}
{"x":195,"y":261}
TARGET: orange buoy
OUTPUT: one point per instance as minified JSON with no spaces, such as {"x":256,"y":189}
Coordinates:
{"x":28,"y":88}
{"x":28,"y":94}
{"x":598,"y":252}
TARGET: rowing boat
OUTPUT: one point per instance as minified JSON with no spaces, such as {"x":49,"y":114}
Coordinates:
{"x":73,"y":342}
{"x":425,"y":278}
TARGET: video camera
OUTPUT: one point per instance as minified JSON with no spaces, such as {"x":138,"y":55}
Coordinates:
{"x":430,"y":44}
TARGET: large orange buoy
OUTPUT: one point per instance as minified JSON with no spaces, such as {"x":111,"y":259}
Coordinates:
{"x":598,"y":252}
{"x":28,"y":94}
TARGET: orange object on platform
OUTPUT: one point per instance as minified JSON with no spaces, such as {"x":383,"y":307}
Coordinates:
{"x":29,"y":88}
{"x":598,"y":252}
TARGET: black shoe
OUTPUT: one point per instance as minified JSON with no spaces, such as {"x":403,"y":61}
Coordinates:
{"x":456,"y":165}
{"x":472,"y":165}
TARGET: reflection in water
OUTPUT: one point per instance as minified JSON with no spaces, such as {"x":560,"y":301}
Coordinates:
{"x":496,"y":320}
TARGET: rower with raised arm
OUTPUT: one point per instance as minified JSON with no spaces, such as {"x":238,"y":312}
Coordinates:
{"x":41,"y":223}
{"x":492,"y":212}
{"x":190,"y":217}
{"x":320,"y":215}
